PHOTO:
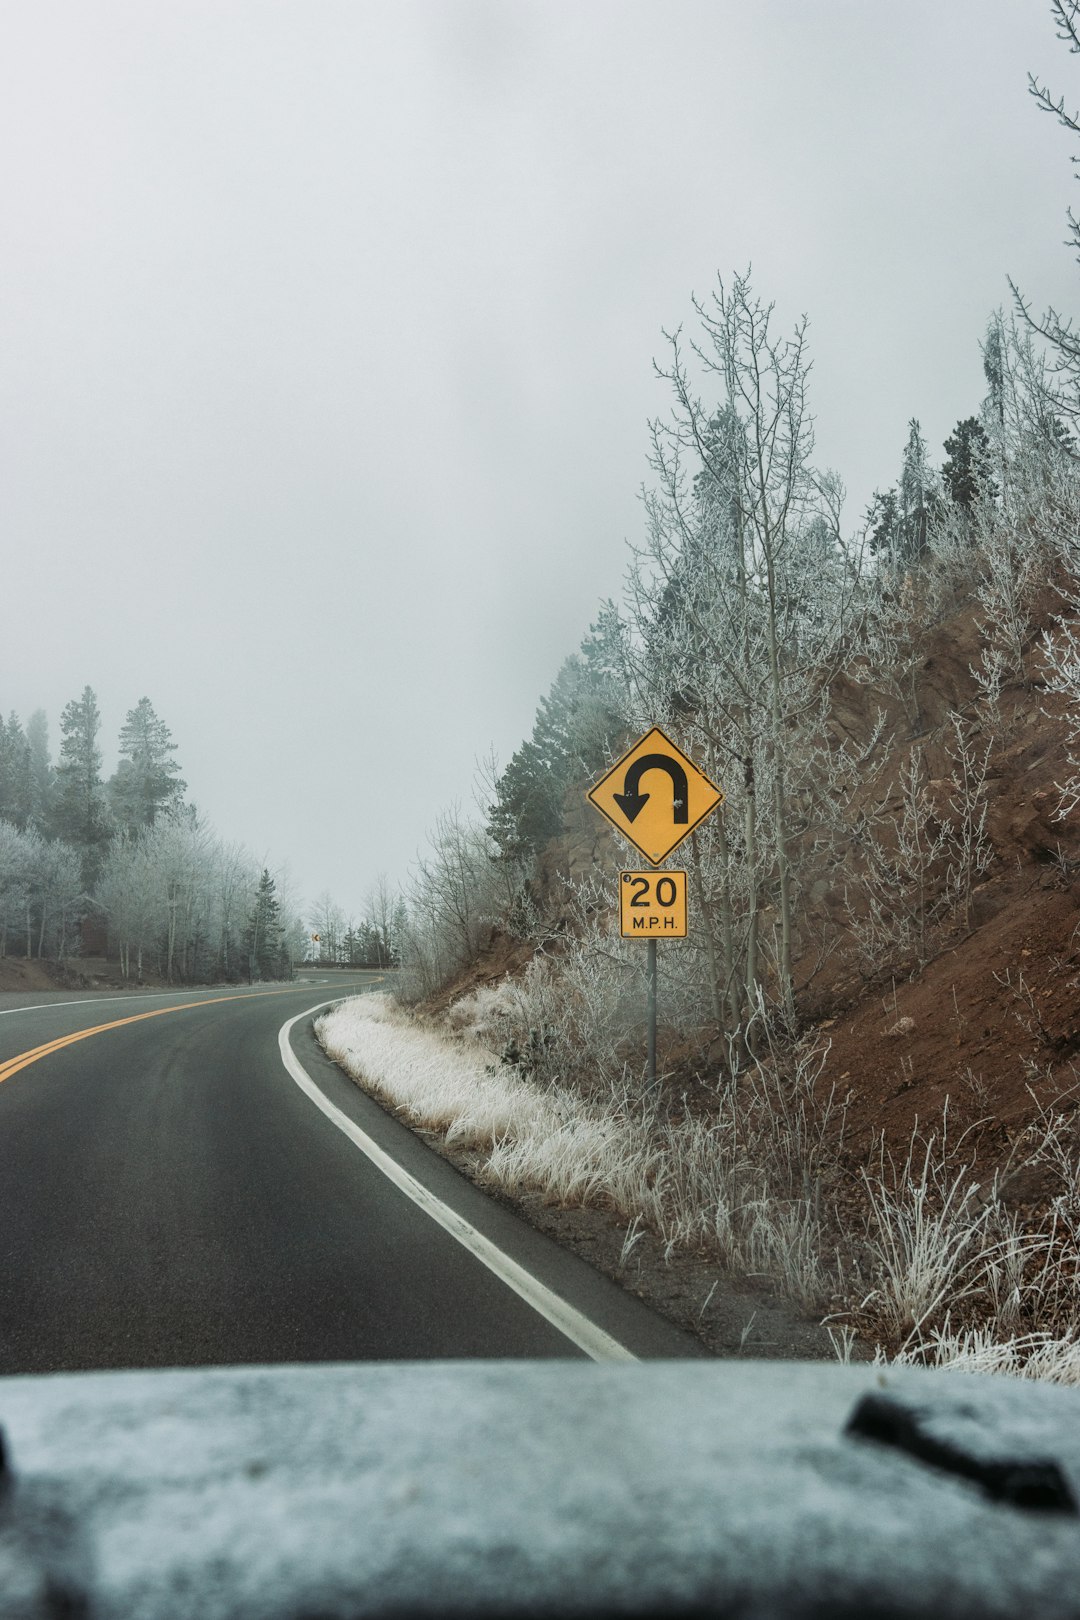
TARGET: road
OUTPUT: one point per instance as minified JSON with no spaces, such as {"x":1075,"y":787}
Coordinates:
{"x":170,"y":1196}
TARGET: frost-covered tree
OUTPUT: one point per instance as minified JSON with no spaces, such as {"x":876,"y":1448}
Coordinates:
{"x":882,"y":523}
{"x":147,"y":779}
{"x":40,"y":895}
{"x":267,"y":958}
{"x":16,"y":855}
{"x":917,"y":495}
{"x":1061,"y":385}
{"x":740,"y":604}
{"x":380,"y":905}
{"x":180,"y":850}
{"x":15,"y":787}
{"x":578,"y":722}
{"x":129,"y":891}
{"x":55,"y":896}
{"x":967,"y":471}
{"x":80,"y":814}
{"x":41,"y":771}
{"x":456,"y":891}
{"x":180,"y":902}
{"x":232,"y":878}
{"x":329,"y":922}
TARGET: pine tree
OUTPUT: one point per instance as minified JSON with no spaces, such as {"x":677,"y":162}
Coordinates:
{"x":147,"y":780}
{"x":80,"y":814}
{"x":41,"y":771}
{"x":966,"y":472}
{"x":577,"y":724}
{"x":263,"y":937}
{"x":528,"y":811}
{"x":916,"y":496}
{"x":14,"y":773}
{"x":883,"y":523}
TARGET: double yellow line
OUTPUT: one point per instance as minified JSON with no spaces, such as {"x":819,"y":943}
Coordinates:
{"x":24,"y":1059}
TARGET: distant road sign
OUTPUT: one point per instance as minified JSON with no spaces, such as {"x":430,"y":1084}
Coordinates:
{"x":655,"y":796}
{"x":652,"y":905}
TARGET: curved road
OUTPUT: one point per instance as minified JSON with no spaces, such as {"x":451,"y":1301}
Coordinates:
{"x":170,"y":1196}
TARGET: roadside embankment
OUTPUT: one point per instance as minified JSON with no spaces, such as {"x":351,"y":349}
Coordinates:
{"x":631,"y":1195}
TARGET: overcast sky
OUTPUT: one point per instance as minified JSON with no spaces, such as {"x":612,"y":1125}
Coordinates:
{"x":327,"y":333}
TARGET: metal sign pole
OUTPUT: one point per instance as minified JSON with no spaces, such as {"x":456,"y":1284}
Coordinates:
{"x":651,"y":969}
{"x":654,"y":797}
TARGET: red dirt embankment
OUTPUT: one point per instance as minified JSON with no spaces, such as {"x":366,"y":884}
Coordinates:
{"x":992,"y":1021}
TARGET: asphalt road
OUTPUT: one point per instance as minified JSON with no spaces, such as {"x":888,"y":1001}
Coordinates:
{"x":169,"y":1196}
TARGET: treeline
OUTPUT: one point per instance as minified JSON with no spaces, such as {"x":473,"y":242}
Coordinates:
{"x":374,"y":940}
{"x":130,"y":856}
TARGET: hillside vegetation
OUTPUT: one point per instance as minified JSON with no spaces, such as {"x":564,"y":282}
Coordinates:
{"x":869,"y":1041}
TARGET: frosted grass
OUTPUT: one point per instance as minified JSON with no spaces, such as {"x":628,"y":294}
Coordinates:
{"x":433,"y":1084}
{"x":551,"y":1139}
{"x":730,"y":1186}
{"x":1029,"y":1355}
{"x":687,"y":1181}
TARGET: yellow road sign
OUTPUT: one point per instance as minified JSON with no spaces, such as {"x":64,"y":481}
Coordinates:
{"x":652,"y":905}
{"x":655,"y":796}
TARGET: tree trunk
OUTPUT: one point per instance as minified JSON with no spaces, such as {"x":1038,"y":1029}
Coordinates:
{"x":710,"y":941}
{"x":780,"y":827}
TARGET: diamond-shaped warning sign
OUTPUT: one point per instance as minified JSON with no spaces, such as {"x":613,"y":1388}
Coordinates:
{"x":655,"y":796}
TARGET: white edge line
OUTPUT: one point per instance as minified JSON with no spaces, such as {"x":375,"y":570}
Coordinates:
{"x":576,"y":1327}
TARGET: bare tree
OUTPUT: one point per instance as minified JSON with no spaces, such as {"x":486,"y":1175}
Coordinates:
{"x":743,"y":602}
{"x":379,"y":908}
{"x":454,"y":894}
{"x":328,"y":921}
{"x":1061,"y":388}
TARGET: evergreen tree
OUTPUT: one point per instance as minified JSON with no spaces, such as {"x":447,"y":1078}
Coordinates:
{"x":399,"y":928}
{"x":14,"y":773}
{"x":599,"y":716}
{"x":575,"y":724}
{"x":80,"y":815}
{"x":147,"y":780}
{"x":966,"y":472}
{"x":263,"y":941}
{"x":41,"y":771}
{"x":993,"y":357}
{"x":883,"y":523}
{"x":916,"y":496}
{"x":527,"y":812}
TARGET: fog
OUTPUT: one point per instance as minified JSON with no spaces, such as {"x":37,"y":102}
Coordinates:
{"x":328,"y":333}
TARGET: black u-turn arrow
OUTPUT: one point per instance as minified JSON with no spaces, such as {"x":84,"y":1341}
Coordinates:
{"x":631,"y":802}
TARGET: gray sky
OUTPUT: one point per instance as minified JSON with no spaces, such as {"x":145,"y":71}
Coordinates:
{"x":327,"y":333}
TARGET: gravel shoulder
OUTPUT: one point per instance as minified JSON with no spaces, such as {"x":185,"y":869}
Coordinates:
{"x":731,"y":1316}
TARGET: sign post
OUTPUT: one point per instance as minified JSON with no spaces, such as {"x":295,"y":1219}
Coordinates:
{"x":650,"y":975}
{"x":654,"y":797}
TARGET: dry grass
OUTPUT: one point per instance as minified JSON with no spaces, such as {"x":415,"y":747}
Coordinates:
{"x":940,"y":1271}
{"x":741,"y":1185}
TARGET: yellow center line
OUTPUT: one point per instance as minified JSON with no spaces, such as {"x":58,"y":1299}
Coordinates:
{"x":24,"y":1059}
